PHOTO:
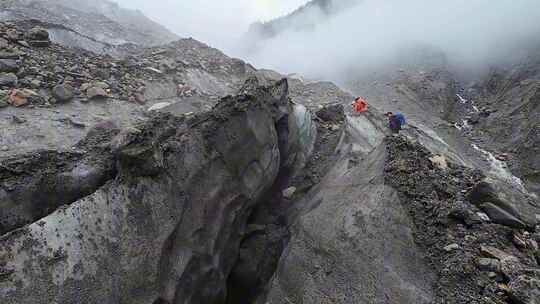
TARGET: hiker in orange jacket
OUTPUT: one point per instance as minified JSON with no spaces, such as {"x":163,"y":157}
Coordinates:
{"x":359,"y":105}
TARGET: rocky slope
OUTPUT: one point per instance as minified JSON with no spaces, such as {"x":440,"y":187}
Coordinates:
{"x":176,"y":174}
{"x":100,"y":20}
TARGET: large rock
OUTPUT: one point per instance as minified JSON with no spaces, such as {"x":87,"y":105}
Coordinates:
{"x":63,"y":92}
{"x":37,"y":34}
{"x":507,"y":198}
{"x":168,"y":228}
{"x":96,"y":93}
{"x":22,"y":97}
{"x":8,"y":79}
{"x":332,"y":113}
{"x":9,"y":65}
{"x":501,"y":216}
{"x":525,"y":289}
{"x":4,"y":95}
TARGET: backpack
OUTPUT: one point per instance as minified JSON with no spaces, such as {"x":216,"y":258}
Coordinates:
{"x":399,"y":117}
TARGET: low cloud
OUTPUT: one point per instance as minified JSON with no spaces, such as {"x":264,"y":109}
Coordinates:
{"x":472,"y":34}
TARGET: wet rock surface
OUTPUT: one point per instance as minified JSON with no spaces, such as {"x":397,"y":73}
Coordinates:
{"x":184,"y":191}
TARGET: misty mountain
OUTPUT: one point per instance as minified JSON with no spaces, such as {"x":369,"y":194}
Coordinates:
{"x":304,"y":18}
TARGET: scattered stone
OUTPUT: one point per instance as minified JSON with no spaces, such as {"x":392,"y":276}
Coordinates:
{"x":101,"y":84}
{"x":466,"y":216}
{"x":519,"y":241}
{"x":8,"y":79}
{"x":4,"y":98}
{"x":63,"y":92}
{"x":183,"y":90}
{"x":76,"y":123}
{"x":35,"y":84}
{"x":37,"y":34}
{"x":289,"y":192}
{"x":332,"y":113}
{"x":85,"y":86}
{"x":498,"y":254}
{"x":502,"y":157}
{"x":18,"y":120}
{"x":154,"y":70}
{"x":9,"y":65}
{"x":487,"y":264}
{"x":139,"y":98}
{"x":451,"y":247}
{"x":484,"y":217}
{"x":483,"y":192}
{"x":12,"y":35}
{"x":10,"y":55}
{"x":525,"y":289}
{"x":96,"y":92}
{"x":24,"y":43}
{"x":3,"y":43}
{"x":21,"y":97}
{"x":125,"y":137}
{"x":474,"y":119}
{"x":502,"y":217}
{"x":439,"y":161}
{"x":533,"y":244}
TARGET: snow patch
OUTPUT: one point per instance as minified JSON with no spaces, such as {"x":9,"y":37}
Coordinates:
{"x":159,"y":106}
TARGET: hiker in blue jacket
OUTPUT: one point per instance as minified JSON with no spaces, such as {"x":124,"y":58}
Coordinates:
{"x":395,"y":121}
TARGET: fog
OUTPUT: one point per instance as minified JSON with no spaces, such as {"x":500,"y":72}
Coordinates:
{"x":218,"y":23}
{"x":473,"y":34}
{"x":374,"y":34}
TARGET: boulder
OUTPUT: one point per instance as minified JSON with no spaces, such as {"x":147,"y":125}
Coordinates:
{"x":483,"y":192}
{"x":439,"y":161}
{"x":9,"y":65}
{"x":486,"y":192}
{"x":451,"y":247}
{"x":37,"y":34}
{"x":96,"y":93}
{"x":487,"y":264}
{"x":498,"y":254}
{"x":3,"y":43}
{"x":8,"y":79}
{"x":331,"y":113}
{"x":4,"y":95}
{"x":63,"y":92}
{"x":289,"y":192}
{"x":466,"y":216}
{"x":21,"y":97}
{"x":501,"y":216}
{"x":13,"y":35}
{"x":101,"y":84}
